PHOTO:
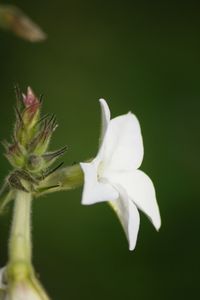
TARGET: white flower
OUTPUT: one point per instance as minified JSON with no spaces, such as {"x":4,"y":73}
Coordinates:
{"x":114,"y":176}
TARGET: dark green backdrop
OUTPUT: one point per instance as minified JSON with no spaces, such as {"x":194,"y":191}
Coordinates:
{"x":141,"y":56}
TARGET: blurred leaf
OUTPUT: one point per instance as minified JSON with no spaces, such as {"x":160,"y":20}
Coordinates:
{"x":13,"y":19}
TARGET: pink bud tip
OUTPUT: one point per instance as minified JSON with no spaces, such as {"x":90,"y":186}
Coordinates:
{"x":30,"y":99}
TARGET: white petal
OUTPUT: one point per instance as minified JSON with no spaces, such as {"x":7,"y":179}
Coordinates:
{"x":129,"y":217}
{"x":123,"y":146}
{"x":105,"y":118}
{"x":141,"y":190}
{"x":93,"y":190}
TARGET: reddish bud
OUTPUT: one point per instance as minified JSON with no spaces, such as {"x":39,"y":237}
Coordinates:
{"x":30,"y":99}
{"x":31,"y":113}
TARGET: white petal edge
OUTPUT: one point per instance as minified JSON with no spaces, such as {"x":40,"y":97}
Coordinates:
{"x":93,"y":190}
{"x":123,"y":145}
{"x":128,"y":216}
{"x":141,"y":191}
{"x":105,"y":118}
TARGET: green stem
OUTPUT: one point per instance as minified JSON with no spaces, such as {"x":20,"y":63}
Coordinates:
{"x":20,"y":272}
{"x":20,"y":237}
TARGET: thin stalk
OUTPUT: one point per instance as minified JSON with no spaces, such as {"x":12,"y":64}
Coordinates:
{"x":20,"y":246}
{"x":21,"y":279}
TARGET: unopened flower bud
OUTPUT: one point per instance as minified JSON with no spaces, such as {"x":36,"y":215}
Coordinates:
{"x":31,"y":113}
{"x":15,"y":153}
{"x":27,"y":119}
{"x":40,"y":144}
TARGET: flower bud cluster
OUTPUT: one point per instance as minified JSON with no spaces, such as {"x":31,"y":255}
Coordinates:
{"x":32,"y":134}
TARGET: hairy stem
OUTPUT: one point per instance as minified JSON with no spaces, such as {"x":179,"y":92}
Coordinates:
{"x":20,"y":237}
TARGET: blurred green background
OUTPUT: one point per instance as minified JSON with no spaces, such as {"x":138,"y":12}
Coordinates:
{"x":142,"y":56}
